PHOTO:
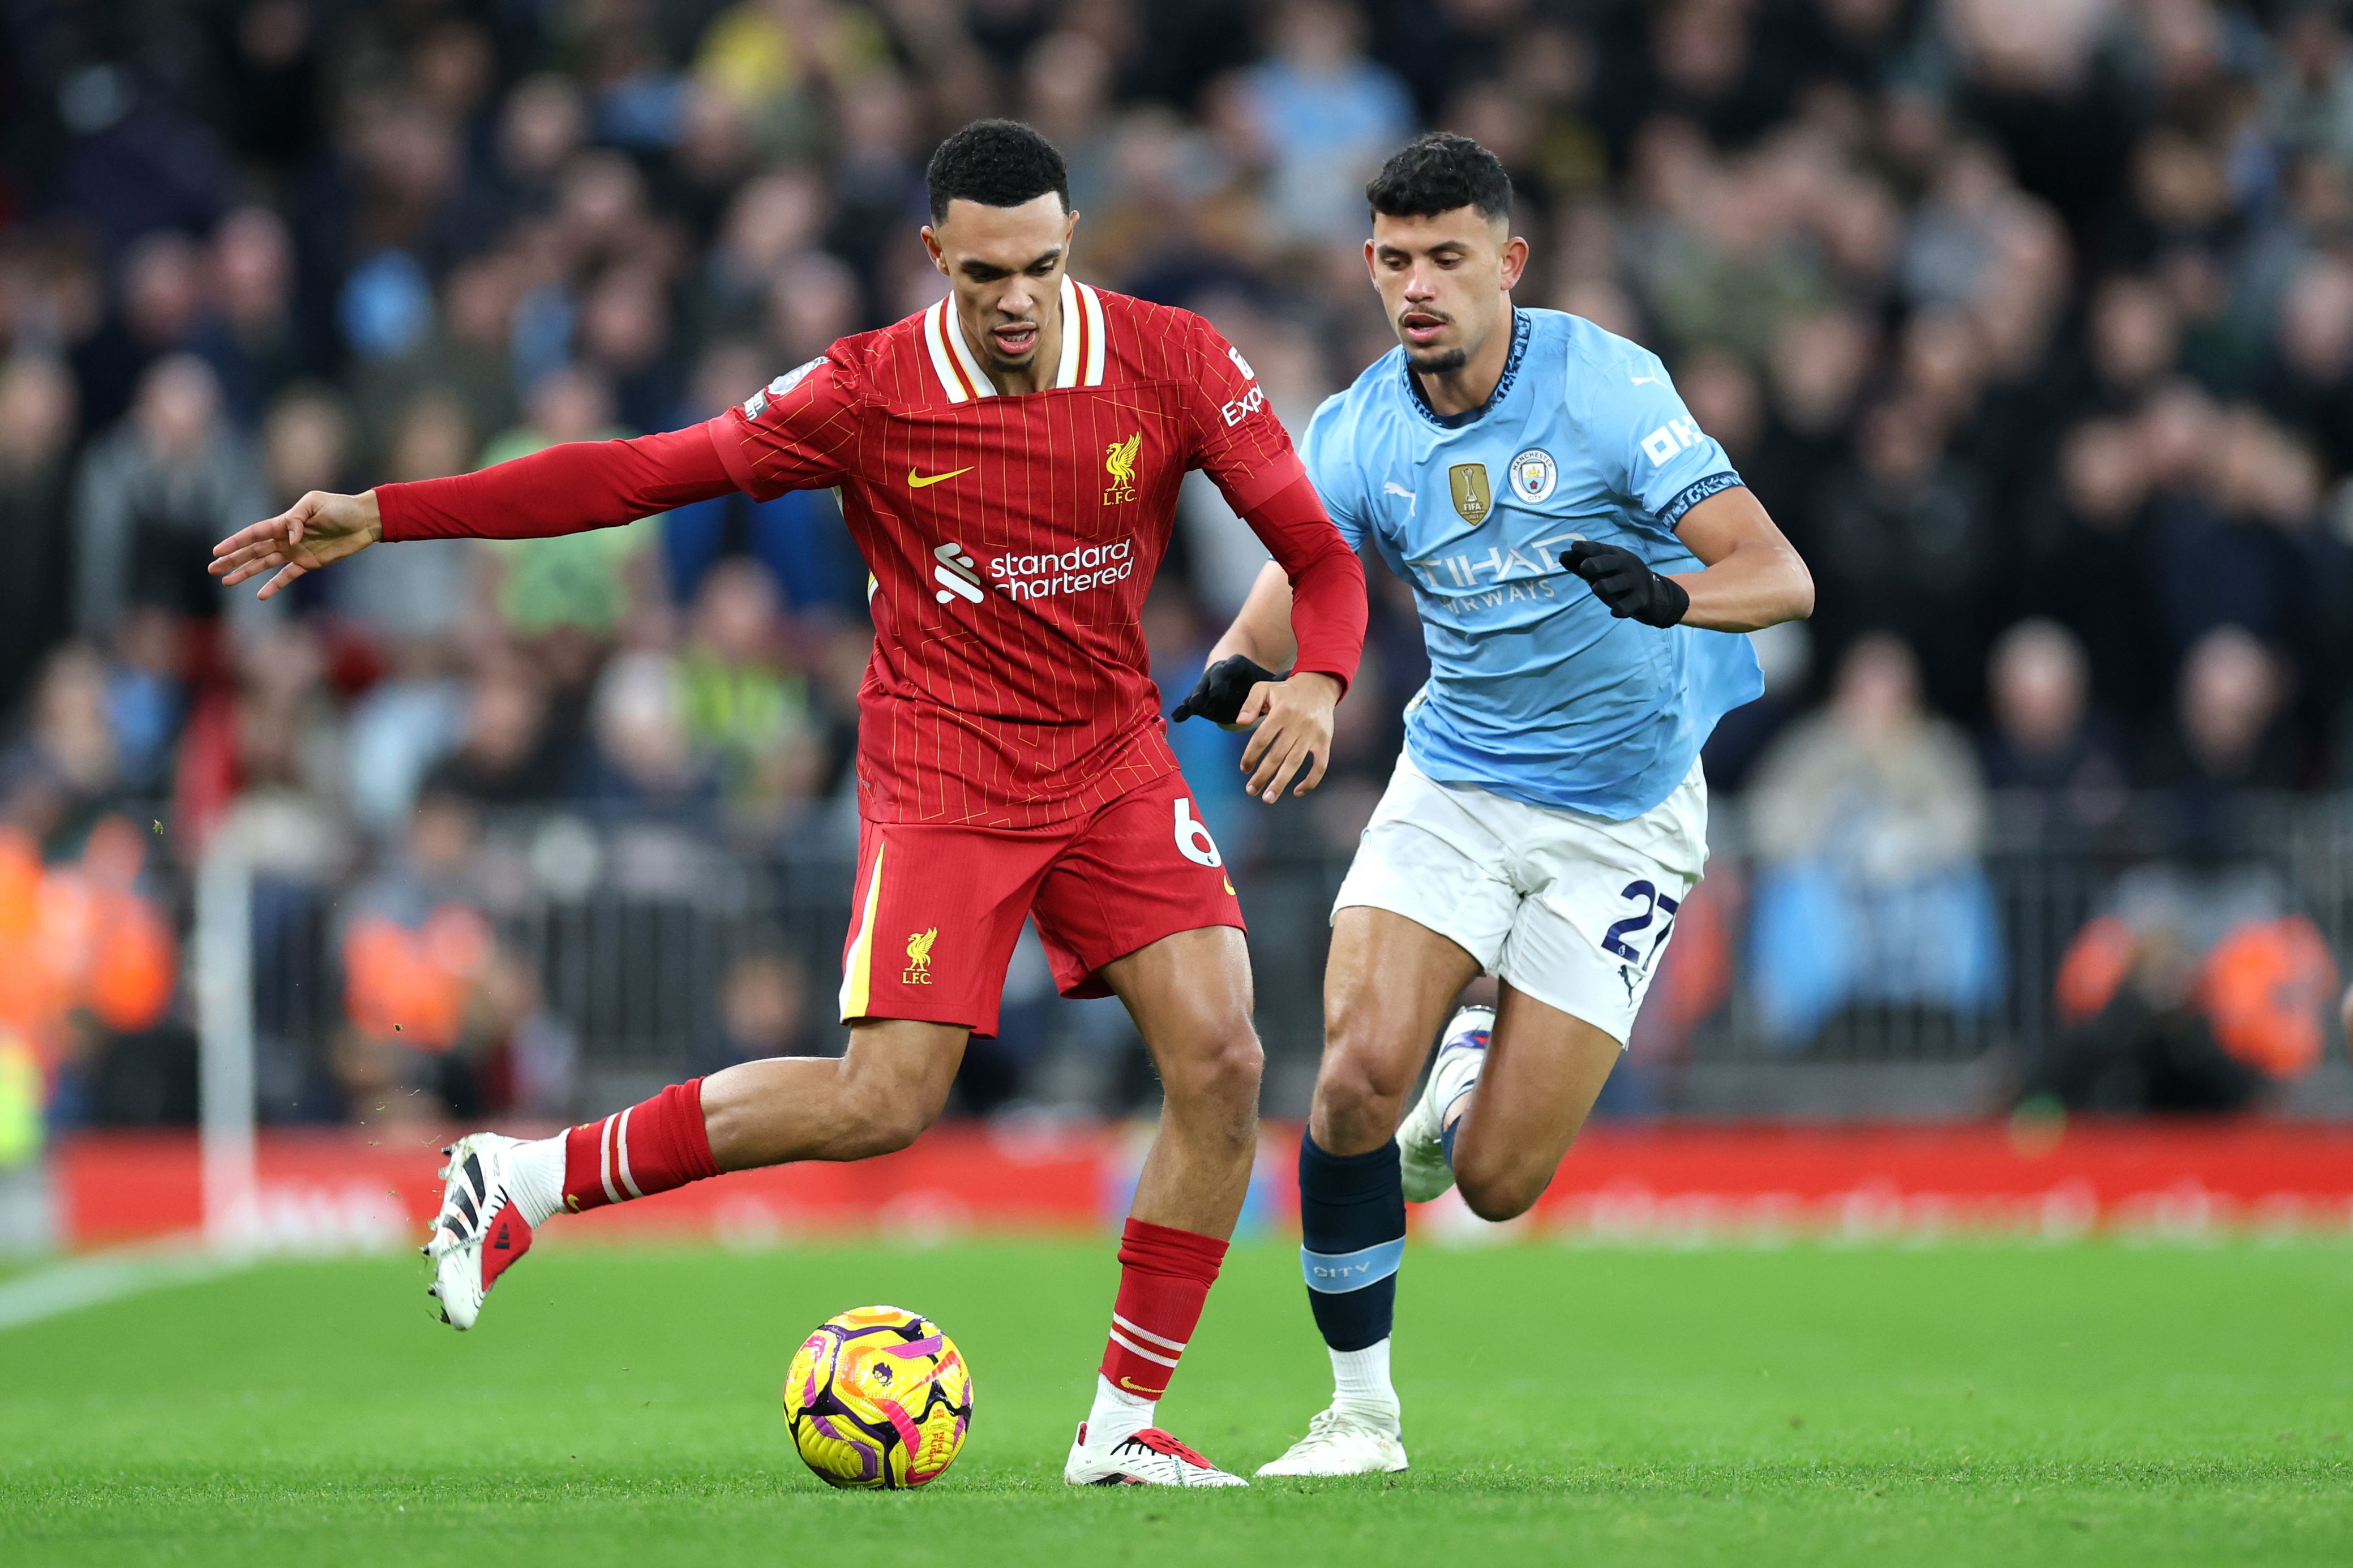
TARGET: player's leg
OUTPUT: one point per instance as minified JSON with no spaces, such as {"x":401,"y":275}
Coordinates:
{"x":1388,"y":988}
{"x":883,"y":1091}
{"x":1576,"y":966}
{"x":908,"y":1020}
{"x":1139,"y":905}
{"x":1191,"y":999}
{"x":891,"y":1084}
{"x":1507,"y":1130}
{"x":1423,"y":910}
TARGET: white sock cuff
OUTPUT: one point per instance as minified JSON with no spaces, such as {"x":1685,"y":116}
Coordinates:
{"x":1362,"y":1378}
{"x":1117,"y":1414}
{"x":1106,"y":1389}
{"x":535,"y":1177}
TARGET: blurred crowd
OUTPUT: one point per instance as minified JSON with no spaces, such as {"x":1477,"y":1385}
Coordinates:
{"x":2030,"y":320}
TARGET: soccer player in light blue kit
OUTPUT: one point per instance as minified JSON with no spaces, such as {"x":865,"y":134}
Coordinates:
{"x":1584,"y":558}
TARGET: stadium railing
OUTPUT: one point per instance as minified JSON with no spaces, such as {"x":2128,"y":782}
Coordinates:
{"x":631,"y":928}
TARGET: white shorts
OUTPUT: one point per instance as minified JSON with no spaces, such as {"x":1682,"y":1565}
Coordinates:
{"x":1572,"y":909}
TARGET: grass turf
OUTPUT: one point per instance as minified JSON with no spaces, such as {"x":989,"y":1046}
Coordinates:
{"x":1807,"y":1406}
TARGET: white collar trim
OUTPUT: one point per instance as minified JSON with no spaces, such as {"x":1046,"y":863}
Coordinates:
{"x":958,"y":368}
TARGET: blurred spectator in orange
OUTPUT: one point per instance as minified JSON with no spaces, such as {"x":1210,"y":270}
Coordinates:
{"x":85,"y":958}
{"x":413,"y":951}
{"x":2191,"y":993}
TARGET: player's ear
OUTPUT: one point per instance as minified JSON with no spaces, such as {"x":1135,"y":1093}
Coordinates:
{"x":931,"y":247}
{"x":1371,"y":269}
{"x":1515,"y":262}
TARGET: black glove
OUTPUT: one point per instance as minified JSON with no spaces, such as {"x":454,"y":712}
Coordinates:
{"x":1222,"y":690}
{"x":1625,"y":582}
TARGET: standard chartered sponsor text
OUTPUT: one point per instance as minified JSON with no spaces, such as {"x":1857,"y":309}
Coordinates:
{"x":1070,"y":571}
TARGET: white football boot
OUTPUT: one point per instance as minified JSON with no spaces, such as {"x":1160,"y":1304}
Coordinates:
{"x":1422,"y":1148}
{"x":1149,"y":1458}
{"x":1343,"y":1442}
{"x":480,"y":1230}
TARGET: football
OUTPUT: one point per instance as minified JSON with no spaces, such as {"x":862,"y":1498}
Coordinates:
{"x":879,"y":1397}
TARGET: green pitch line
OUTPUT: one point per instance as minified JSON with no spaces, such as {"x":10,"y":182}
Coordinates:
{"x":1806,"y":1406}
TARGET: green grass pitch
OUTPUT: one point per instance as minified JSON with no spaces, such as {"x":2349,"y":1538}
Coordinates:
{"x":1805,"y":1406}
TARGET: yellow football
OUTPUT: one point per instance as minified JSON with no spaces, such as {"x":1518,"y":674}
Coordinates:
{"x":879,"y":1397}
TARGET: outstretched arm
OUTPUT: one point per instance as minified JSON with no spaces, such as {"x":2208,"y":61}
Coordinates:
{"x":568,"y":489}
{"x":1308,"y":606}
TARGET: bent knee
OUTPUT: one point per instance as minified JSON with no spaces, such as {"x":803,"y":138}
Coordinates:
{"x":885,"y":1127}
{"x":1504,"y":1192}
{"x":1363,"y":1082}
{"x":1353,"y":1080}
{"x":1498,"y":1199}
{"x":888,"y":1113}
{"x":1225,"y":1071}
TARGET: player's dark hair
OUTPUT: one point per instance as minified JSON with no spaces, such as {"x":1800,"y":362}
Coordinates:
{"x":997,"y":162}
{"x":1438,"y":173}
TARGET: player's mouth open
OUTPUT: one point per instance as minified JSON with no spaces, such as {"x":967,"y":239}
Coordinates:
{"x":1015,"y":338}
{"x":1421,"y":327}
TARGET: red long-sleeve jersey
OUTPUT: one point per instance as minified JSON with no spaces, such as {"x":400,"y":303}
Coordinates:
{"x":1012,"y":539}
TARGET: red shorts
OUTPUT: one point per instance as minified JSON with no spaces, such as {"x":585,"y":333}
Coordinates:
{"x":939,"y":908}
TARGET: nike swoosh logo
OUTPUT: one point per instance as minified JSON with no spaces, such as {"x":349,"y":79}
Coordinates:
{"x":917,"y":481}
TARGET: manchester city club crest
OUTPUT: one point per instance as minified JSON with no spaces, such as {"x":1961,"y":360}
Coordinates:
{"x":1533,"y":474}
{"x":1472,"y":497}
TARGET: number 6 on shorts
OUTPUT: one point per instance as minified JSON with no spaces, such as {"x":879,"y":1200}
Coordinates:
{"x":1193,"y":840}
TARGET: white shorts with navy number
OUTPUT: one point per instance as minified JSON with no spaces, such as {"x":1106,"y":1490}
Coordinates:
{"x":1574,"y":911}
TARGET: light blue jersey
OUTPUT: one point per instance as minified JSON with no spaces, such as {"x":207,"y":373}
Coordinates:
{"x":1537,"y":692}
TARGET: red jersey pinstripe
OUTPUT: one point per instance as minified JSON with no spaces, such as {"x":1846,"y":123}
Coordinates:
{"x":1012,"y":539}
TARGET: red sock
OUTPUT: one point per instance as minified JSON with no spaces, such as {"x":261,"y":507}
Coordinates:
{"x":653,"y":1146}
{"x":1165,"y":1276}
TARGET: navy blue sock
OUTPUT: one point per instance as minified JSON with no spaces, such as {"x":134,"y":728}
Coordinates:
{"x":1352,"y":1237}
{"x":1445,"y":1140}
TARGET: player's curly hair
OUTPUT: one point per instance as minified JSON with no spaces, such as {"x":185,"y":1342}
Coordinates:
{"x":997,"y":162}
{"x":1437,"y":173}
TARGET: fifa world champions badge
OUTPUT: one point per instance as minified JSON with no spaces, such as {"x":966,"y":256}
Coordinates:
{"x":1468,"y":481}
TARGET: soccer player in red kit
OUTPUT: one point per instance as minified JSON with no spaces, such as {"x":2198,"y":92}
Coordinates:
{"x":1008,"y":462}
